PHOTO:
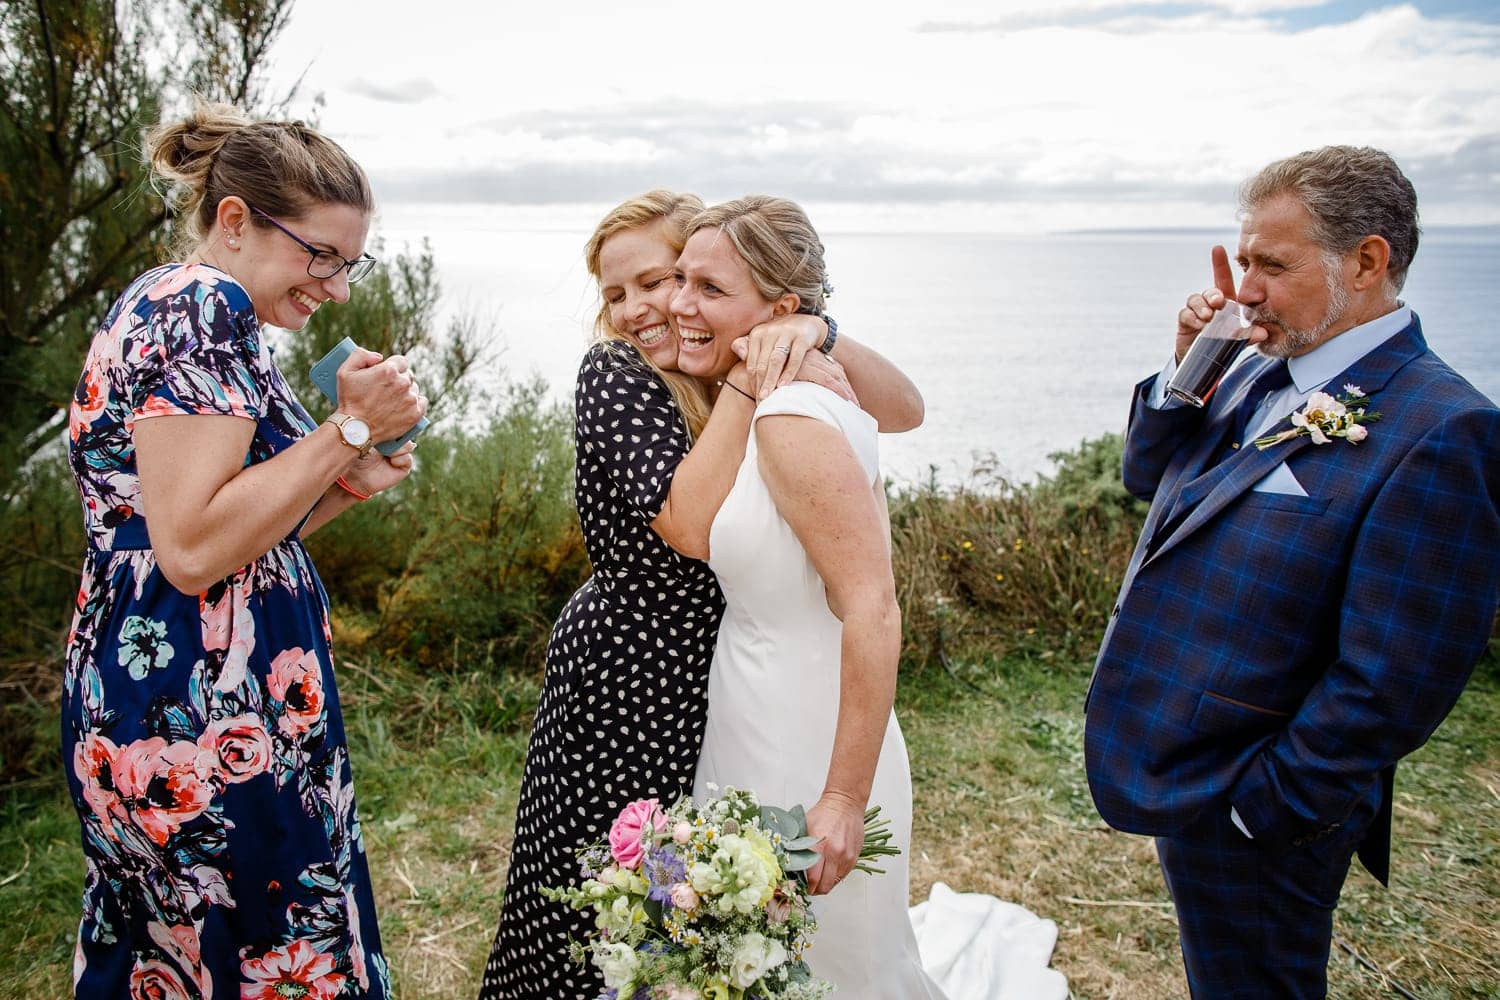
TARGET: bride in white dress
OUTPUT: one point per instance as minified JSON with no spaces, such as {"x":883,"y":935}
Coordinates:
{"x":804,"y":673}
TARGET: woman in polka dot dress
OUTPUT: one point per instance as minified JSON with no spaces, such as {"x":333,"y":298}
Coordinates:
{"x":624,"y":698}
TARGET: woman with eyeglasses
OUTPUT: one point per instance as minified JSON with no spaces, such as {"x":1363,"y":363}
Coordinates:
{"x":202,"y":737}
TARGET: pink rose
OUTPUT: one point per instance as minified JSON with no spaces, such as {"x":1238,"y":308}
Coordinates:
{"x":684,"y":897}
{"x":297,"y":682}
{"x":627,"y":836}
{"x":682,"y":832}
{"x":156,"y":981}
{"x":240,"y":745}
{"x":164,"y":785}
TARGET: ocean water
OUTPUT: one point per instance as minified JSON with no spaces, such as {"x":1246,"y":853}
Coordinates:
{"x":1022,"y":345}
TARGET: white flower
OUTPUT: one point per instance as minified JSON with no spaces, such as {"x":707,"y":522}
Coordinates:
{"x":1324,"y":403}
{"x":1313,"y":430}
{"x":1356,"y":433}
{"x":1353,"y":390}
{"x":618,"y":963}
{"x":620,"y":917}
{"x":753,"y":957}
{"x":739,"y":876}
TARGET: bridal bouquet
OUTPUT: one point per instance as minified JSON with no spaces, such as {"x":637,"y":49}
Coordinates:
{"x":706,"y":902}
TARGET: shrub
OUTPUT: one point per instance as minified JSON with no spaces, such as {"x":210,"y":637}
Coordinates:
{"x":1031,"y":564}
{"x":481,"y":547}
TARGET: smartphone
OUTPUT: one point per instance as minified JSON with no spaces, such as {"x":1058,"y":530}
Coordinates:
{"x":325,"y":375}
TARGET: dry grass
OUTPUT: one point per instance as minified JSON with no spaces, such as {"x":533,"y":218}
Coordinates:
{"x":1002,"y":807}
{"x":1023,"y":565}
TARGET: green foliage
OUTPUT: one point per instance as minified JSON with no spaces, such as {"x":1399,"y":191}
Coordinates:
{"x":1023,"y":565}
{"x":490,"y":542}
{"x":82,"y":81}
{"x":41,"y":551}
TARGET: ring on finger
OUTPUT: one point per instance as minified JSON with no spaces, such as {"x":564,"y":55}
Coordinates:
{"x":781,"y":349}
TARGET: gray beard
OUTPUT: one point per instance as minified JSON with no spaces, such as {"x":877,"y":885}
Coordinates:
{"x":1293,"y":341}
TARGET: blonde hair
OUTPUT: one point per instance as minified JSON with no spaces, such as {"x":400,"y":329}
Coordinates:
{"x":775,"y":237}
{"x":673,"y":211}
{"x":282,"y":168}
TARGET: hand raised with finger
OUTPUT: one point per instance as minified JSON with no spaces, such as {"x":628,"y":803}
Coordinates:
{"x":1201,"y":306}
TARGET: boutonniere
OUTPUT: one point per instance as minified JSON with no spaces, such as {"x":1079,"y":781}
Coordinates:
{"x":1326,"y":417}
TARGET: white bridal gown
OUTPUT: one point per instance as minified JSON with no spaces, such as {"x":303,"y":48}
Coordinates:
{"x":773,"y":696}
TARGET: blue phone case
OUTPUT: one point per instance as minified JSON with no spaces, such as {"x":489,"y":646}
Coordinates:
{"x":325,"y":375}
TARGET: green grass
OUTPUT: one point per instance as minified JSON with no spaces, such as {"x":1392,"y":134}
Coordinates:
{"x":1001,"y":807}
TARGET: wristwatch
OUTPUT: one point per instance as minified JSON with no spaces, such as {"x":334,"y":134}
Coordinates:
{"x":352,"y":431}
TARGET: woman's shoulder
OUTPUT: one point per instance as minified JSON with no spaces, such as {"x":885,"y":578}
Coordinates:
{"x":195,"y":283}
{"x":807,"y":399}
{"x":616,"y":361}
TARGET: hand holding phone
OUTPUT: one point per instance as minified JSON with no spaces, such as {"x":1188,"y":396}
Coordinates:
{"x":325,"y":377}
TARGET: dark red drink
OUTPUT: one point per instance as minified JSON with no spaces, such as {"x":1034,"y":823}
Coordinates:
{"x":1203,"y":368}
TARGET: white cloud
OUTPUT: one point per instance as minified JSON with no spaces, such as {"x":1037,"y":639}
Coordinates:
{"x":833,"y":103}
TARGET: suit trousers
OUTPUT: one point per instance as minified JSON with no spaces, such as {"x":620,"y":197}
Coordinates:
{"x":1254,"y":922}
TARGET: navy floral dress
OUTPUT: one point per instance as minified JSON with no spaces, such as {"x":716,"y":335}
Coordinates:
{"x":201,"y":733}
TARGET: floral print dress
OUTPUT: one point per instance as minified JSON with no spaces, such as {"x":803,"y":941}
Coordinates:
{"x":201,"y":733}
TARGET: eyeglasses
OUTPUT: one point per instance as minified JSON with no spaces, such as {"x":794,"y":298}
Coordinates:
{"x":324,"y":263}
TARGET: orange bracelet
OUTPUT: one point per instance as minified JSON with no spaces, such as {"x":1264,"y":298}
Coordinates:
{"x":342,"y":484}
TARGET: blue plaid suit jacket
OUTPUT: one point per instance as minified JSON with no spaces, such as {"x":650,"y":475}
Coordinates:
{"x":1280,"y":653}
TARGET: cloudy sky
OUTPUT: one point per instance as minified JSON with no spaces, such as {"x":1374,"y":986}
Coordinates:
{"x":965,"y":115}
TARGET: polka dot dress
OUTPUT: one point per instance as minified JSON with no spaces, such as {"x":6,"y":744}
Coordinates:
{"x":625,"y":694}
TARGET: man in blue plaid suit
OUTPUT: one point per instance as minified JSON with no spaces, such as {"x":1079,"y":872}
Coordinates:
{"x":1297,"y":618}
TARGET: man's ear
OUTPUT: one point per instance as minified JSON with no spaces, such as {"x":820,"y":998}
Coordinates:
{"x":1372,"y":259}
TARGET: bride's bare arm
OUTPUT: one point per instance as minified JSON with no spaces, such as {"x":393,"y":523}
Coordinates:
{"x":822,"y":491}
{"x":774,"y":358}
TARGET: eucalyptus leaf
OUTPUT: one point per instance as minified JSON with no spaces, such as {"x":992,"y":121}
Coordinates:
{"x":782,"y":822}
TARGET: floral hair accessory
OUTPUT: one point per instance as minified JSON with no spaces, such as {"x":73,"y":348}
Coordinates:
{"x":827,"y":287}
{"x":1326,"y":417}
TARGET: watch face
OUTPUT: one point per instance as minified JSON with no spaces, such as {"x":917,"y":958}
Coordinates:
{"x":356,"y":432}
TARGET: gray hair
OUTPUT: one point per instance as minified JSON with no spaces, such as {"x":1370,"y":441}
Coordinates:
{"x":1351,"y":192}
